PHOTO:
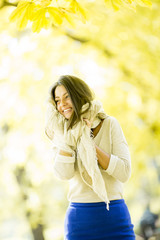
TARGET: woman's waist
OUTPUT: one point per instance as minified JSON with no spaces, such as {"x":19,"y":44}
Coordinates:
{"x":96,"y":204}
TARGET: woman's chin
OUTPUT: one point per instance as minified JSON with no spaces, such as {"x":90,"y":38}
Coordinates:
{"x":68,"y":115}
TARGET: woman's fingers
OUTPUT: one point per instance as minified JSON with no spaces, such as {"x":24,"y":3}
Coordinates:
{"x":87,"y":122}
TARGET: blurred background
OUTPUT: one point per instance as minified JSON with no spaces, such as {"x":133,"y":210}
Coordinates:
{"x":118,"y":55}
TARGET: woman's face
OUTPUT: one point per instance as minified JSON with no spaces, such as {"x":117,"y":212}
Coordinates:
{"x":63,"y":102}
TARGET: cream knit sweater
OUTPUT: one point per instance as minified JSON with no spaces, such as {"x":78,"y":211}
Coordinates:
{"x":110,"y":139}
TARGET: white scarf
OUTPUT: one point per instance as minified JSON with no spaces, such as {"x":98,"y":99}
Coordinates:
{"x":78,"y":138}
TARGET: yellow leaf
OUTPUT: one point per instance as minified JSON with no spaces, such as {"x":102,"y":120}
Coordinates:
{"x":38,"y":14}
{"x":31,"y":10}
{"x":82,"y":13}
{"x":77,"y":9}
{"x":144,"y":3}
{"x":36,"y":26}
{"x":14,"y":15}
{"x":40,"y":21}
{"x":115,"y":6}
{"x":20,"y":15}
{"x":22,"y":22}
{"x":68,"y":17}
{"x":55,"y":15}
{"x":18,"y":11}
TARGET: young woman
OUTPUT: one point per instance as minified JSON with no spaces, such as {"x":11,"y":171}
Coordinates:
{"x":92,"y":153}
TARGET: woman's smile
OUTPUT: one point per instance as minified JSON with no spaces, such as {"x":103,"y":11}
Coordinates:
{"x":63,"y":102}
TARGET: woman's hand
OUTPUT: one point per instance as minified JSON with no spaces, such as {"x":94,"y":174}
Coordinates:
{"x":88,"y":123}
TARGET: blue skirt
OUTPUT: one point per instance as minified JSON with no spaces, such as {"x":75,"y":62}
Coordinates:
{"x":92,"y":221}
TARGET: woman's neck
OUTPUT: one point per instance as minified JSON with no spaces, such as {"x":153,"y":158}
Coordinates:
{"x":96,"y":129}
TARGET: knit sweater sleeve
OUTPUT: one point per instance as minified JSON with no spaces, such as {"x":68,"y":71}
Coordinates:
{"x":64,"y":166}
{"x":120,"y":161}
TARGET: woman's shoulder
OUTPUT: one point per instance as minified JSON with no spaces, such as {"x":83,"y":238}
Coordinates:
{"x":111,"y":119}
{"x":111,"y":123}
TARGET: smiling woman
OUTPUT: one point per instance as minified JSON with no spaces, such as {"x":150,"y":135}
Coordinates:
{"x":91,"y":152}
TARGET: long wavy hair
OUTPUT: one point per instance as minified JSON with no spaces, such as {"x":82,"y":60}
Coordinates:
{"x":79,"y":92}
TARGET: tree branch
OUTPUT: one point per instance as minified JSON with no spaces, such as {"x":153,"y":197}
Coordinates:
{"x":85,"y":40}
{"x":5,"y":3}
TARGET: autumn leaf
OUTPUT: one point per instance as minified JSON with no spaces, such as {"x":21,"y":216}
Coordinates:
{"x":24,"y":12}
{"x":55,"y":15}
{"x":67,"y":16}
{"x":40,"y":21}
{"x":20,"y":10}
{"x":76,"y":8}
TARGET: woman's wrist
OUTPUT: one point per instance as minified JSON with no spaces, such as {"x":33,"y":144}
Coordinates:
{"x":67,"y":154}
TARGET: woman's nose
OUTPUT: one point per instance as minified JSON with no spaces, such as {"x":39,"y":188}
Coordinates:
{"x":62,"y":103}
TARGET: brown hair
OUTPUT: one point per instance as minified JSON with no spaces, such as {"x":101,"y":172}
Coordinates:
{"x":79,"y":92}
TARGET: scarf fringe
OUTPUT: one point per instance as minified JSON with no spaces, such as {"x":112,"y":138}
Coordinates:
{"x":90,"y":168}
